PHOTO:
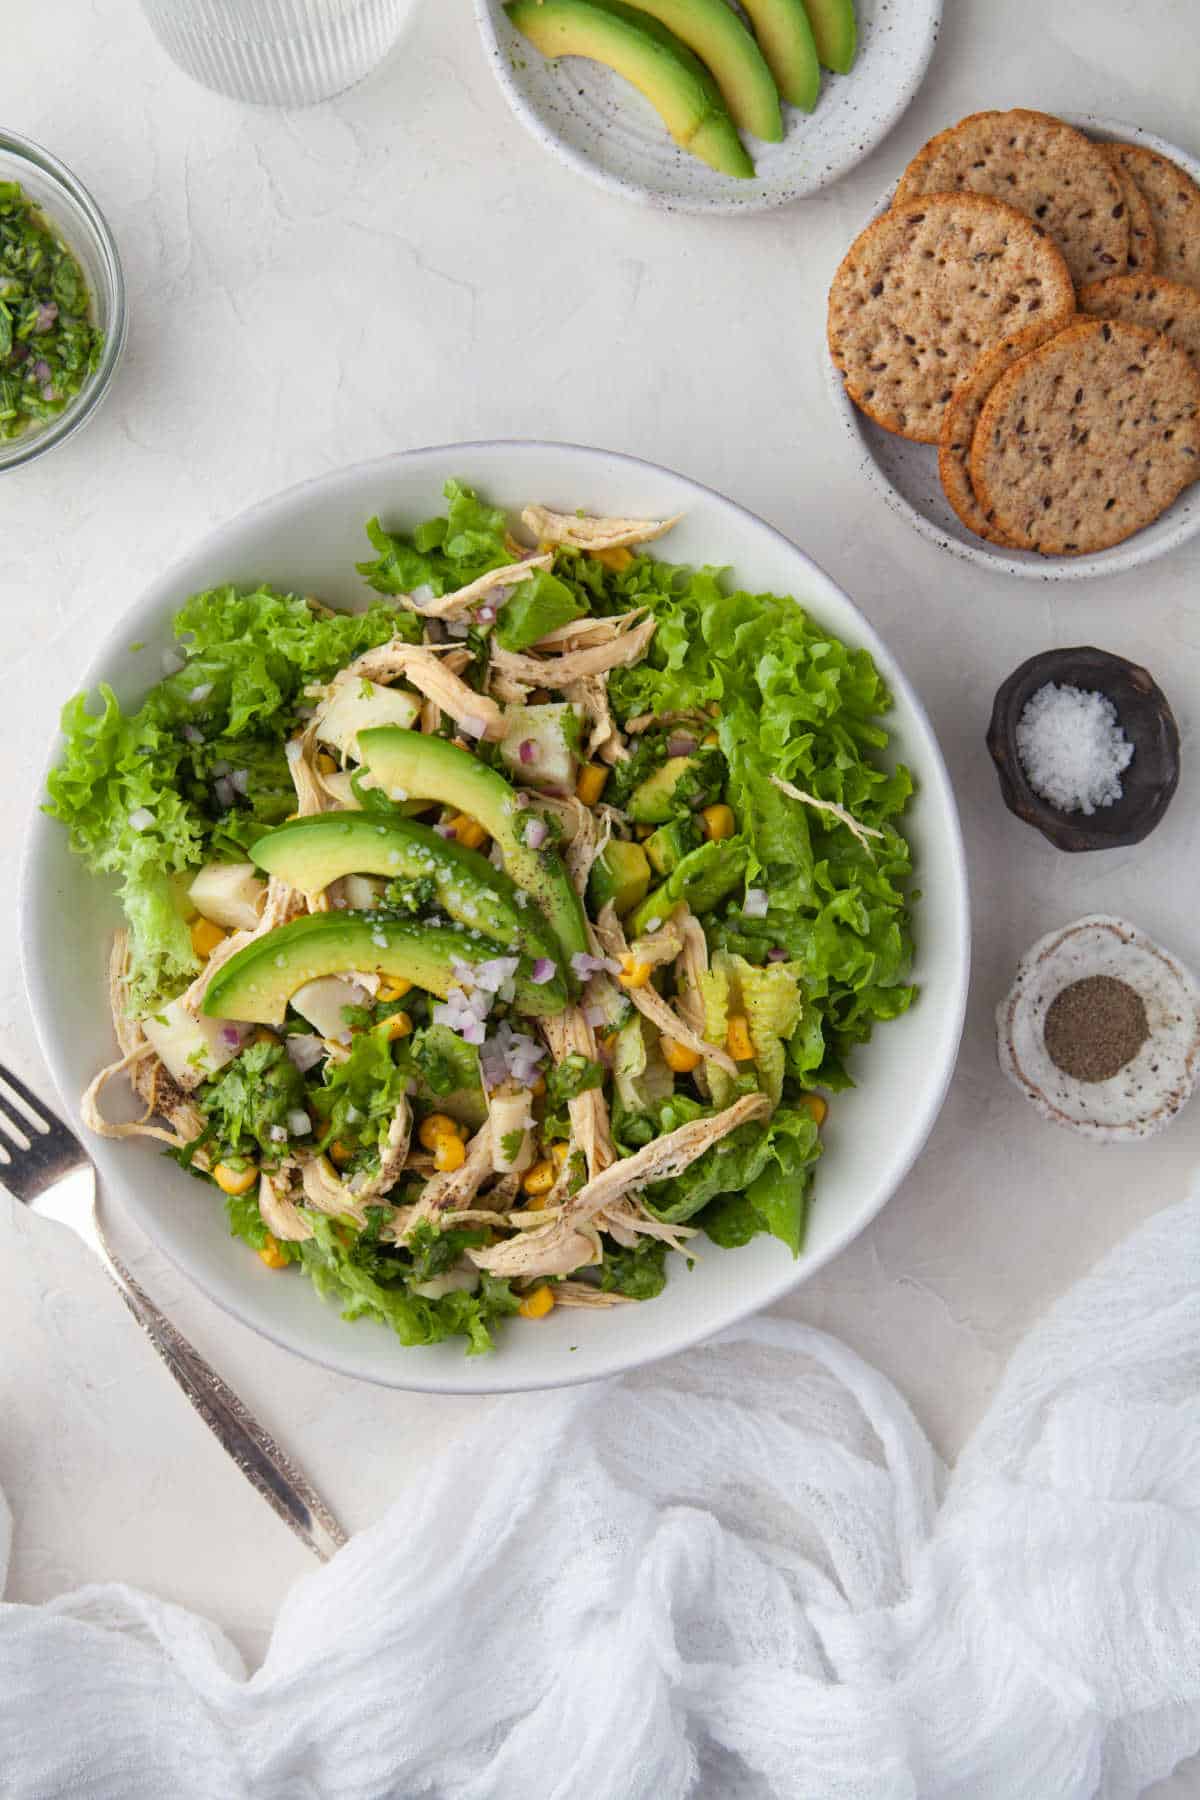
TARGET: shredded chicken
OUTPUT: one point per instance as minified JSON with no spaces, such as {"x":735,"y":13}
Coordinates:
{"x":454,"y":1189}
{"x":326,"y":1192}
{"x":862,"y":832}
{"x":502,"y":687}
{"x":277,"y":1205}
{"x":656,"y":947}
{"x":162,"y":1096}
{"x":325,"y":1189}
{"x":650,"y":1003}
{"x":431,"y":669}
{"x":628,"y":1220}
{"x":311,"y":793}
{"x":569,"y":1032}
{"x":582,"y":1293}
{"x":585,"y":634}
{"x":591,"y":533}
{"x":661,"y":1160}
{"x":604,"y":740}
{"x":557,"y":1249}
{"x":689,"y":716}
{"x":690,"y":966}
{"x":459,"y":604}
{"x":560,"y":672}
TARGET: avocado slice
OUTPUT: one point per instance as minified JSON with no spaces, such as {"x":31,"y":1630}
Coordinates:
{"x":675,"y":82}
{"x":653,"y":801}
{"x":311,"y":853}
{"x":835,"y":33}
{"x":430,"y":768}
{"x":620,"y":874}
{"x":668,"y":846}
{"x":785,"y":38}
{"x":256,"y":983}
{"x":703,"y":878}
{"x":714,"y":32}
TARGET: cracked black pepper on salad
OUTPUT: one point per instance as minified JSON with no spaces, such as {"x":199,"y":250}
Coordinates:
{"x":48,"y":344}
{"x":487,"y":945}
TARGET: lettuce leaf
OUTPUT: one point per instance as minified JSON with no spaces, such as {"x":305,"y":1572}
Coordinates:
{"x":249,"y":657}
{"x":444,"y":553}
{"x":771,"y":1000}
{"x":537,"y":605}
{"x":757,"y":1179}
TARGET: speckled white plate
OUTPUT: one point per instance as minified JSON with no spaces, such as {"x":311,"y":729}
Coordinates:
{"x":906,"y":474}
{"x":596,"y":123}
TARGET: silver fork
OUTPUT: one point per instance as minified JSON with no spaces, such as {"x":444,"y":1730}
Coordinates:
{"x":45,"y":1166}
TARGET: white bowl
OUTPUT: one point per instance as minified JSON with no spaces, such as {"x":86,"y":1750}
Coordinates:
{"x":906,"y":474}
{"x":598,"y":125}
{"x":308,"y":540}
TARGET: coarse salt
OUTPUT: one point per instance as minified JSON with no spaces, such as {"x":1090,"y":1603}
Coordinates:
{"x":1072,"y":748}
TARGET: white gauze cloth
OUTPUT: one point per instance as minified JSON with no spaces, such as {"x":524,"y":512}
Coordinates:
{"x":742,"y":1573}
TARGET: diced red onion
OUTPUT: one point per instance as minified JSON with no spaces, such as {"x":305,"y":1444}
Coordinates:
{"x":755,"y":905}
{"x":486,"y":614}
{"x":241,"y":781}
{"x":47,"y":313}
{"x":536,"y":833}
{"x":172,"y":662}
{"x":224,"y":791}
{"x":41,"y":369}
{"x":473,"y":1031}
{"x":457,"y":628}
{"x":421,"y":596}
{"x":191,"y":734}
{"x":446,"y":831}
{"x":654,"y":924}
{"x":277,"y":1134}
{"x":527,"y":750}
{"x":584,"y":965}
{"x":473,"y":726}
{"x":48,"y":392}
{"x":141,"y":818}
{"x":200,"y":694}
{"x":305,"y":1050}
{"x":595,"y":1016}
{"x":543,"y":970}
{"x":493,"y":974}
{"x":682,"y":743}
{"x":777,"y":953}
{"x":298,"y":1122}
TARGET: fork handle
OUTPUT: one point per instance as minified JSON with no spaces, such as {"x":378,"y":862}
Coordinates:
{"x":262,"y":1461}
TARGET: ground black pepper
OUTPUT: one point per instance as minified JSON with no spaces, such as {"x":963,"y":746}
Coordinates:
{"x":1094,"y":1027}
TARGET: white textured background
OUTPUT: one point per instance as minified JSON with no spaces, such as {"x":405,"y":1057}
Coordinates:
{"x":403,"y":266}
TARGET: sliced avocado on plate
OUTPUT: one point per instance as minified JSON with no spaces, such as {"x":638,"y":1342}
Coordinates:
{"x":835,"y":33}
{"x":645,"y":53}
{"x":311,"y":854}
{"x":785,"y":38}
{"x":713,"y":32}
{"x":425,"y":767}
{"x":257,"y":982}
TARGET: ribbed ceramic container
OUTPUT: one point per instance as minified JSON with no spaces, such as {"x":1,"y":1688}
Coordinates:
{"x":277,"y":52}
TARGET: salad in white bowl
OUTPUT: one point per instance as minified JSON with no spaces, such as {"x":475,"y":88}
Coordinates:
{"x":488,"y":945}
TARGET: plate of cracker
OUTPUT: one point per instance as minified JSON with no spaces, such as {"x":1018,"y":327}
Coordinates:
{"x":1014,"y":344}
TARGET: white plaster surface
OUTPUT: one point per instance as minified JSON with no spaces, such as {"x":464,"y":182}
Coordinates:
{"x":403,"y":266}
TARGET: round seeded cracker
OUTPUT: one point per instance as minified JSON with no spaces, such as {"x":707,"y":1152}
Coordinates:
{"x":958,"y":432}
{"x":1150,"y":301}
{"x":1046,"y":169}
{"x":1174,"y":202}
{"x":1088,"y":438}
{"x":1143,"y":239}
{"x":925,"y":290}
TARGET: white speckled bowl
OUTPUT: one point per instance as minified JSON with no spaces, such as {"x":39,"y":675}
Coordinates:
{"x":600,"y":126}
{"x":308,"y":540}
{"x":906,"y":474}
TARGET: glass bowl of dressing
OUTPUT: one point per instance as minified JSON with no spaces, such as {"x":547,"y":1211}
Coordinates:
{"x":62,"y":205}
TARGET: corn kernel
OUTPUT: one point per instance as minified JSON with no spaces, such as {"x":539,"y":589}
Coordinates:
{"x":710,"y":737}
{"x":537,"y":1086}
{"x":393,"y":987}
{"x":540,"y":1179}
{"x":449,"y":1153}
{"x":634,"y":974}
{"x":467,"y":831}
{"x":677,"y":1056}
{"x":261,"y":1035}
{"x":235,"y":1181}
{"x":396,"y":1025}
{"x":434,"y":1128}
{"x":325,"y":764}
{"x":617,"y":559}
{"x":559,"y":1154}
{"x":737,"y":1038}
{"x":205,"y":937}
{"x":817,"y":1108}
{"x":718,"y":821}
{"x":272,"y":1254}
{"x":340,"y":1153}
{"x":537,"y":1304}
{"x":590,"y":785}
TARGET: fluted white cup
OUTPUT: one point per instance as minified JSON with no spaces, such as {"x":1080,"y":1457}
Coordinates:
{"x":277,"y":52}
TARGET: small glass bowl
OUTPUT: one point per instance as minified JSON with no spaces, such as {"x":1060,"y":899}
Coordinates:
{"x":77,"y":219}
